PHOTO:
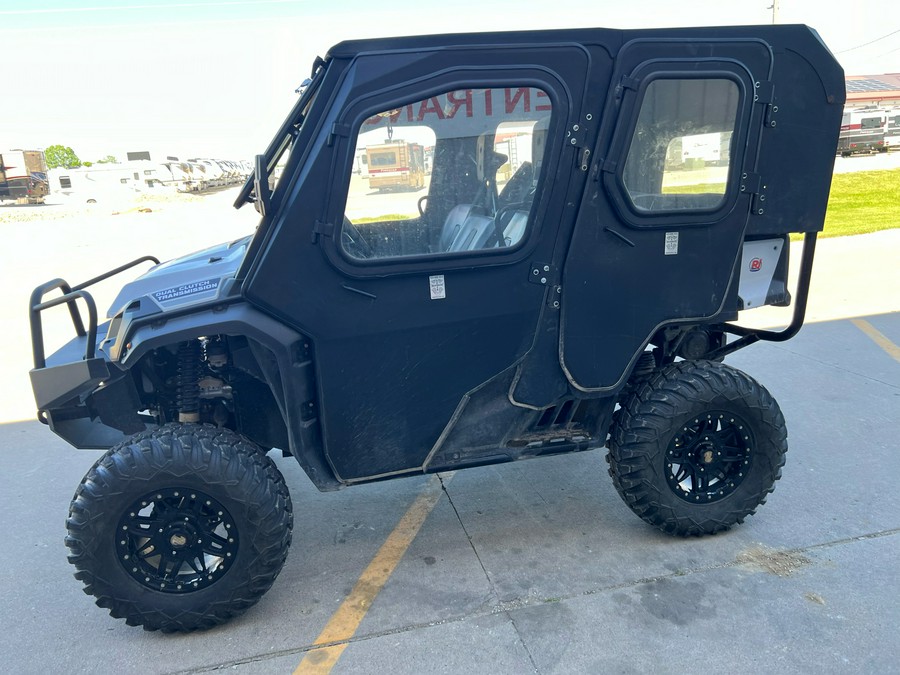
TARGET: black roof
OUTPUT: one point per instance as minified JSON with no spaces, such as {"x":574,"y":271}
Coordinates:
{"x":611,"y":38}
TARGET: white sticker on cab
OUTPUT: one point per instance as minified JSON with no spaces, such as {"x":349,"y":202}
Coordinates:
{"x":671,"y":243}
{"x":438,"y":288}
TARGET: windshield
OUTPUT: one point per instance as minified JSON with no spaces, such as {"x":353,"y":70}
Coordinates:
{"x":277,"y":153}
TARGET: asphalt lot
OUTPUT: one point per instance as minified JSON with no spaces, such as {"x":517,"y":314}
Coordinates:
{"x":530,"y":567}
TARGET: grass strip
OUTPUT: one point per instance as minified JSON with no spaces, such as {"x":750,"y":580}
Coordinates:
{"x":860,"y":202}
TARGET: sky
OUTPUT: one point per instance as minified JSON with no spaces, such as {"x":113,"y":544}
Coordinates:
{"x":214,"y":78}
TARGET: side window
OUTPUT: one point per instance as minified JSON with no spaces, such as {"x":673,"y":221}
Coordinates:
{"x":451,"y":173}
{"x":872,"y":123}
{"x":680,"y":152}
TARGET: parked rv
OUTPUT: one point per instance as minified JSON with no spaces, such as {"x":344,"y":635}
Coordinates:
{"x":892,"y":130}
{"x":396,"y":164}
{"x":23,"y":176}
{"x":862,"y":131}
{"x":207,"y":174}
{"x":102,"y":182}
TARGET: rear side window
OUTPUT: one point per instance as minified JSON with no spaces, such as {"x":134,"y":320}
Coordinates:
{"x":681,"y":147}
{"x":872,"y":123}
{"x":448,"y":174}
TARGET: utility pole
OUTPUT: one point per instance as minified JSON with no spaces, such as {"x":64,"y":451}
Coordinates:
{"x":774,"y":8}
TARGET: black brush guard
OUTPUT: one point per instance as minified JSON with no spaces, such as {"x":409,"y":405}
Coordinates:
{"x":55,"y":386}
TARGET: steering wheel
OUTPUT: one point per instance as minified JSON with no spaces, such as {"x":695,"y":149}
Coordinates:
{"x":353,"y":242}
{"x":421,"y":205}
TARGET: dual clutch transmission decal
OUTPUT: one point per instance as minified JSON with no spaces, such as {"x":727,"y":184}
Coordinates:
{"x":185,"y":290}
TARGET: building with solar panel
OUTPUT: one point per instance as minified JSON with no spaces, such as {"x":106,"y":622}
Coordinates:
{"x":882,"y":91}
{"x":871,"y":121}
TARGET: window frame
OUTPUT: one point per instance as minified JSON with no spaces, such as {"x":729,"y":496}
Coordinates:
{"x":359,"y":110}
{"x":633,"y":97}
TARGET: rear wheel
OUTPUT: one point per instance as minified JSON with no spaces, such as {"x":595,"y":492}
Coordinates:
{"x":180,"y":528}
{"x":697,"y":448}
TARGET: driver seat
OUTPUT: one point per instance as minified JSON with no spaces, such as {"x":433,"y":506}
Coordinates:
{"x":454,"y":222}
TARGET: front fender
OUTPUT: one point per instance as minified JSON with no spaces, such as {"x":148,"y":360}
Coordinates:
{"x":284,"y":356}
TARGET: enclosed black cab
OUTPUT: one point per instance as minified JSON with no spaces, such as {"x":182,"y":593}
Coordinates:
{"x":586,"y":195}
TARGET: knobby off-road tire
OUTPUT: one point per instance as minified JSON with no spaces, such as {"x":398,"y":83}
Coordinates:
{"x":697,"y":447}
{"x":180,"y":528}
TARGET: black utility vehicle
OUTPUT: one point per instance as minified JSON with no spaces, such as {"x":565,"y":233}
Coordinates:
{"x":560,"y":268}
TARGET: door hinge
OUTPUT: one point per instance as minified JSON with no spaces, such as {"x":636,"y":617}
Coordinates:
{"x":577,"y":136}
{"x":542,"y":274}
{"x":764,"y":93}
{"x":769,"y":121}
{"x":754,"y":184}
{"x":584,"y":159}
{"x":555,"y":298}
{"x":323,"y":229}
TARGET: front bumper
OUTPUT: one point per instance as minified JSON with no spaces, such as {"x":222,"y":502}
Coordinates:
{"x":82,"y":396}
{"x":89,"y":403}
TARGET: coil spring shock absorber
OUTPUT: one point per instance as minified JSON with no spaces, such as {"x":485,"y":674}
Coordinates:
{"x":644,"y":367}
{"x":188,"y":387}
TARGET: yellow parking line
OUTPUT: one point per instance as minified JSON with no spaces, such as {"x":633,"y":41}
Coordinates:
{"x":349,"y":615}
{"x":878,"y":338}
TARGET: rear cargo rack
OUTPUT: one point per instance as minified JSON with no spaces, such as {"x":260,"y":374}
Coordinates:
{"x":747,"y":336}
{"x":69,"y":297}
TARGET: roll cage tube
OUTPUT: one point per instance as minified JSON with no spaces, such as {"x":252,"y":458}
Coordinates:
{"x":285,"y":135}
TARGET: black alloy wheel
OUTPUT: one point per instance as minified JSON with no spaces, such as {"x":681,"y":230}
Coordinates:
{"x":708,"y":459}
{"x":177,"y":540}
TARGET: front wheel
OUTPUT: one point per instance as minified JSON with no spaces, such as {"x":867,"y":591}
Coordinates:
{"x":180,"y":528}
{"x":697,"y":448}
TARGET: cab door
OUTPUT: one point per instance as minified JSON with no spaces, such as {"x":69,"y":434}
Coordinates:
{"x":658,"y":237}
{"x":414,"y":296}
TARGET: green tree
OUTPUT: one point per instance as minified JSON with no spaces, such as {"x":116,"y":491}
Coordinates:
{"x":60,"y":156}
{"x":109,"y":159}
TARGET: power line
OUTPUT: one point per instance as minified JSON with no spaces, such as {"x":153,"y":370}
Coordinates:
{"x":871,"y":42}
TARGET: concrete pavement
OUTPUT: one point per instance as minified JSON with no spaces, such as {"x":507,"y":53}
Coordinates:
{"x":536,"y":566}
